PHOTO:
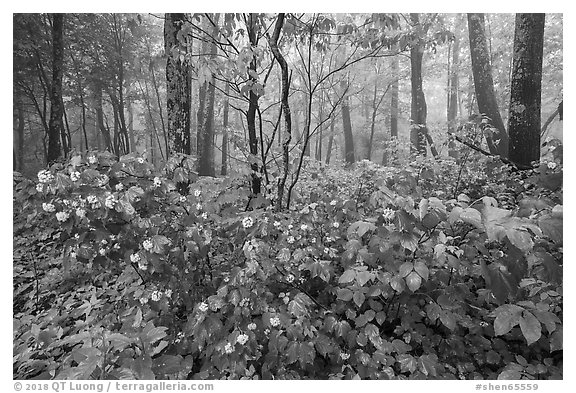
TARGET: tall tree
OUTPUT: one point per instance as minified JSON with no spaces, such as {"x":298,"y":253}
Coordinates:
{"x":224,"y":166}
{"x":452,"y":107}
{"x":205,"y":135}
{"x":525,"y":96}
{"x":347,"y":125}
{"x":394,"y":96}
{"x":484,"y":85}
{"x":252,"y":30}
{"x":177,"y":86}
{"x":55,"y":124}
{"x":419,"y":134}
{"x":285,"y":83}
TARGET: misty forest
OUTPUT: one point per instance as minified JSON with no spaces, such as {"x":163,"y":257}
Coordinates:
{"x":287,"y":196}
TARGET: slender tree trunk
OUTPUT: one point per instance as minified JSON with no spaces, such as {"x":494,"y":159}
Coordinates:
{"x":394,"y":95}
{"x":56,"y":107}
{"x":330,"y":143}
{"x":347,"y":126}
{"x":452,"y":110}
{"x":418,"y":103}
{"x":205,"y":135}
{"x":252,"y":108}
{"x":177,"y":87}
{"x":131,"y":136}
{"x":285,"y":108}
{"x":18,"y":145}
{"x":525,"y":96}
{"x":484,"y":85}
{"x":159,"y":103}
{"x":224,"y":166}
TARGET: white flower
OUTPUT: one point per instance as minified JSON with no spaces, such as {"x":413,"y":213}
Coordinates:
{"x":228,"y":348}
{"x":62,"y":216}
{"x":336,"y":225}
{"x":135,"y":258}
{"x":80,"y":212}
{"x":304,"y":227}
{"x":313,"y":240}
{"x":333,"y":202}
{"x":156,"y":295}
{"x":48,"y":207}
{"x":290,"y":278}
{"x":102,"y":251}
{"x":247,"y":222}
{"x":92,"y":159}
{"x":147,"y":244}
{"x":168,"y":292}
{"x":388,"y":214}
{"x":290,"y":226}
{"x":143,"y":300}
{"x":182,"y":199}
{"x":242,"y":339}
{"x":75,"y":176}
{"x":198,"y":206}
{"x":92,"y":199}
{"x":117,"y":246}
{"x":157,"y":182}
{"x":345,"y":356}
{"x":197,"y":193}
{"x":329,"y":239}
{"x":266,"y":331}
{"x":45,"y":176}
{"x":110,"y":201}
{"x":204,"y":216}
{"x":39,"y":187}
{"x":142,"y":265}
{"x":275,"y":321}
{"x":552,"y":165}
{"x":203,"y":307}
{"x":119,"y":187}
{"x":290,"y":239}
{"x":252,"y":326}
{"x":140,"y":160}
{"x":277,"y":224}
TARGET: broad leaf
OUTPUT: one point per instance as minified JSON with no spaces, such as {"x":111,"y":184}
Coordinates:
{"x":531,"y":327}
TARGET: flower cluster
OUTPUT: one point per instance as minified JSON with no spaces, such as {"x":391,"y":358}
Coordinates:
{"x":247,"y":222}
{"x":242,"y":339}
{"x":110,"y":201}
{"x":62,"y":216}
{"x":48,"y":207}
{"x":148,"y":245}
{"x":203,"y":307}
{"x":45,"y":176}
{"x":274,"y":321}
{"x":157,"y":182}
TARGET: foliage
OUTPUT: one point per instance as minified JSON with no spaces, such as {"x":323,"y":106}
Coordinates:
{"x":123,"y":270}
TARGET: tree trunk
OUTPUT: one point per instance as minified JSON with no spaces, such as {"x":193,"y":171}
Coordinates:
{"x":347,"y":126}
{"x":224,"y":167}
{"x":373,"y":120}
{"x":484,"y":85}
{"x":252,"y":107}
{"x":56,"y":106}
{"x":452,"y":110}
{"x":330,"y":141}
{"x":285,"y":108}
{"x":177,"y":87}
{"x":18,"y":139}
{"x":525,"y":97}
{"x":418,"y":101}
{"x":394,"y":94}
{"x":205,"y":141}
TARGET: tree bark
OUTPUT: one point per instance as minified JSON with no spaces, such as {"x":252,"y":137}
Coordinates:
{"x":177,"y":87}
{"x":252,"y":107}
{"x":285,"y":108}
{"x":55,"y":124}
{"x":347,"y":126}
{"x":418,"y":101}
{"x":484,"y":85}
{"x":330,"y":142}
{"x":525,"y":97}
{"x":224,"y":166}
{"x":452,"y":110}
{"x":205,"y":135}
